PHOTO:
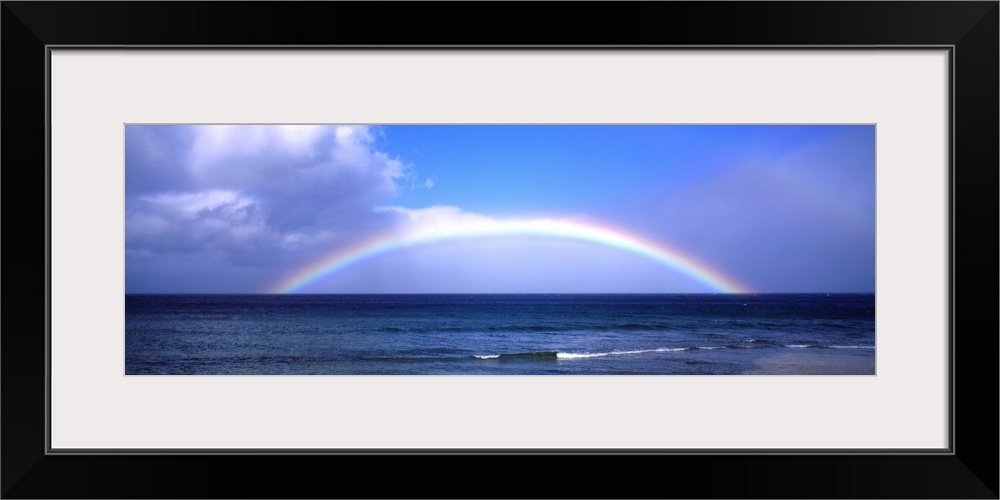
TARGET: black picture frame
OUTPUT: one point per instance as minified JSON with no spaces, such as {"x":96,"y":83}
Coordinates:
{"x":970,"y":29}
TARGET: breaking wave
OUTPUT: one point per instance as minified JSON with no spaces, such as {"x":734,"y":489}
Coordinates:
{"x":552,"y":355}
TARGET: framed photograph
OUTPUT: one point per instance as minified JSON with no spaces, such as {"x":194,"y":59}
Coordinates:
{"x":730,"y":251}
{"x":510,"y":249}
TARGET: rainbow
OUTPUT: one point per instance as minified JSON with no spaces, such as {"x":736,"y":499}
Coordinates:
{"x":595,"y":233}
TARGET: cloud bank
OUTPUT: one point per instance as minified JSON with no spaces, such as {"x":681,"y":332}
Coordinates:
{"x":254,"y":196}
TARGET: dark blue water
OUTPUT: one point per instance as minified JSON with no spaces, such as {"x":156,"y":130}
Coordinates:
{"x":497,"y":334}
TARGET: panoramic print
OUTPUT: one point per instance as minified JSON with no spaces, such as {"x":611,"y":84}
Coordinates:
{"x":499,"y":250}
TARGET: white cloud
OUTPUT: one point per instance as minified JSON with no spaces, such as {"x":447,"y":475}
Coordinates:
{"x":251,"y":190}
{"x":436,"y":218}
{"x":213,"y":143}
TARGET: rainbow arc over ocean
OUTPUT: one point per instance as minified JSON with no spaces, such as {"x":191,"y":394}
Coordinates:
{"x":572,"y":230}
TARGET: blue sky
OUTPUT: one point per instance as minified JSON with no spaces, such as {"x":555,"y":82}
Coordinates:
{"x":236,"y":209}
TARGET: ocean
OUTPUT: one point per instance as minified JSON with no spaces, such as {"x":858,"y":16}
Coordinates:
{"x":505,"y":334}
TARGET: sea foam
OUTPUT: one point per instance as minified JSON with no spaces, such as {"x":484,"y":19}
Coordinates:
{"x":542,"y":355}
{"x":572,"y":355}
